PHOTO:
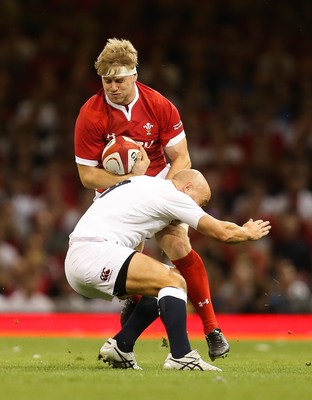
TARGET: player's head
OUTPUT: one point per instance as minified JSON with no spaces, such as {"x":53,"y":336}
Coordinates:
{"x":118,"y":58}
{"x":193,"y":183}
{"x":116,"y":65}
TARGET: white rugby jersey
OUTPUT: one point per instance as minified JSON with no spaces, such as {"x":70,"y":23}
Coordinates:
{"x":134,"y":210}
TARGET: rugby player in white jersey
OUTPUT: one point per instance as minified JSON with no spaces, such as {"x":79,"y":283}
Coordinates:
{"x":101,"y":261}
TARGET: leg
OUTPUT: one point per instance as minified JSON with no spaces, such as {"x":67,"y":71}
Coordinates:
{"x":131,"y":302}
{"x":118,"y":351}
{"x":144,"y":313}
{"x":150,"y":278}
{"x":175,"y":243}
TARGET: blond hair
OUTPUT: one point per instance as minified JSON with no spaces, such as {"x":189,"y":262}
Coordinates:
{"x":116,"y":53}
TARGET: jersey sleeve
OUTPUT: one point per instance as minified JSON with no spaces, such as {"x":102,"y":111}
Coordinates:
{"x":88,"y":137}
{"x":185,"y":210}
{"x":176,"y":205}
{"x":172,"y":129}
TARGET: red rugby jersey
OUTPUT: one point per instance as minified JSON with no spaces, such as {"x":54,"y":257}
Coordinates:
{"x":150,"y":119}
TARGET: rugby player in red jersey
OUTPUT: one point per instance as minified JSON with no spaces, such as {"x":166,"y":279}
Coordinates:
{"x":127,"y":107}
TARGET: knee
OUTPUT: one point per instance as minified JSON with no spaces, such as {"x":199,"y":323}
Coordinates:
{"x":174,"y":242}
{"x":177,"y":280}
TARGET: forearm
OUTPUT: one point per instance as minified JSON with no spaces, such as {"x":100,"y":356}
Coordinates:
{"x":229,"y":232}
{"x":97,"y":178}
{"x":179,"y":158}
{"x":234,"y":233}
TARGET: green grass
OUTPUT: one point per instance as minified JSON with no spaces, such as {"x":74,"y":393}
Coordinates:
{"x":66,"y":368}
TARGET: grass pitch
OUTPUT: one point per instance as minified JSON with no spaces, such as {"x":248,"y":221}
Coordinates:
{"x":67,"y":368}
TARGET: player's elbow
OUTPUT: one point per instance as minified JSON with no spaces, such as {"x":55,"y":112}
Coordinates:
{"x":86,"y":184}
{"x":86,"y":178}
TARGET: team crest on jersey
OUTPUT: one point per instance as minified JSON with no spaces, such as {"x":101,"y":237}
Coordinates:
{"x":105,"y":274}
{"x":148,"y":126}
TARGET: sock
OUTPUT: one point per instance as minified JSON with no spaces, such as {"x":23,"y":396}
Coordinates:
{"x":136,"y":298}
{"x":172,"y":307}
{"x":145,"y":312}
{"x":194,"y":272}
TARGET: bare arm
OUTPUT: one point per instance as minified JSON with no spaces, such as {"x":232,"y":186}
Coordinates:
{"x":229,"y":232}
{"x":179,"y":158}
{"x":98,"y":178}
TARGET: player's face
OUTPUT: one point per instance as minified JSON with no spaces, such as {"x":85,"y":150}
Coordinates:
{"x":120,"y":90}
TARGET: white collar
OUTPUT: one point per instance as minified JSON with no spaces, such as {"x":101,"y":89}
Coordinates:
{"x":124,"y":109}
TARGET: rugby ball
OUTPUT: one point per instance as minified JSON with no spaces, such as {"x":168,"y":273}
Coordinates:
{"x":119,"y":155}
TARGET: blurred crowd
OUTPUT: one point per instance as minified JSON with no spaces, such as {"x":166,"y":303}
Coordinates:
{"x":240,"y":73}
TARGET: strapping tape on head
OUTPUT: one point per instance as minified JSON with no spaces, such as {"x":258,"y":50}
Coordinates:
{"x":120,"y":71}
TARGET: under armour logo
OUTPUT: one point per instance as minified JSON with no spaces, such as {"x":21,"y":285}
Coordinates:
{"x":110,"y":136}
{"x":201,"y":304}
{"x":105,"y":274}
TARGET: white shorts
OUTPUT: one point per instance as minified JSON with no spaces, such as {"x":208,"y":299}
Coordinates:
{"x":91,"y":268}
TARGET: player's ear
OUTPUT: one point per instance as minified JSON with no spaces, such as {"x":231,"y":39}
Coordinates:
{"x":188,"y":187}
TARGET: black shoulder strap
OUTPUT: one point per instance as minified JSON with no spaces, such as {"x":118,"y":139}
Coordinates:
{"x":114,"y":187}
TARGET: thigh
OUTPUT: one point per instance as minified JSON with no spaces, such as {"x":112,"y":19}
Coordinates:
{"x":91,"y":268}
{"x":147,"y":276}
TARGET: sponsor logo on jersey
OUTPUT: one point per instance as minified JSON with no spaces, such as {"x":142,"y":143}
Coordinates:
{"x":106,"y":274}
{"x":148,"y":126}
{"x":146,"y":145}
